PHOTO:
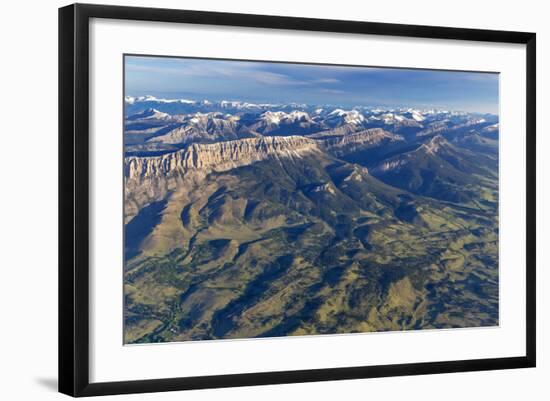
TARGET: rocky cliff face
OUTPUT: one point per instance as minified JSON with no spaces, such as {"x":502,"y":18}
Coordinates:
{"x":431,"y":148}
{"x":434,"y":144}
{"x":359,"y":141}
{"x":368,"y":137}
{"x":212,"y":127}
{"x":148,"y":179}
{"x":219,"y":156}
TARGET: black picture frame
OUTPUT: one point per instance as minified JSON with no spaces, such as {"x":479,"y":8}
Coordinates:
{"x":74,"y":198}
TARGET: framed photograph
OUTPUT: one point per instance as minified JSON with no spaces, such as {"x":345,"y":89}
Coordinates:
{"x":249,"y":199}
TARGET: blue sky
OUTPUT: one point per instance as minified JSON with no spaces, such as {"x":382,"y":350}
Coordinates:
{"x":309,"y":83}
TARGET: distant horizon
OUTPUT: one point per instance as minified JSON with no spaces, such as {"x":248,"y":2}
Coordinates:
{"x":311,"y":84}
{"x":387,"y":107}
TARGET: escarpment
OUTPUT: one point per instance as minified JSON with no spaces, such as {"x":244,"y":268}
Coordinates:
{"x":221,"y":156}
{"x":150,"y":178}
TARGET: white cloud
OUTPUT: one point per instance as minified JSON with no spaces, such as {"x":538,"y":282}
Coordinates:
{"x":327,"y":81}
{"x":333,"y":91}
{"x":217,"y":69}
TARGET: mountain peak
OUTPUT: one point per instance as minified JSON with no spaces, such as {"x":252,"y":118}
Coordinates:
{"x":346,"y":116}
{"x":435,"y":144}
{"x":276,"y":117}
{"x":150,"y":113}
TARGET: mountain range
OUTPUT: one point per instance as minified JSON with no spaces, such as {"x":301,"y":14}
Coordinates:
{"x":257,"y":220}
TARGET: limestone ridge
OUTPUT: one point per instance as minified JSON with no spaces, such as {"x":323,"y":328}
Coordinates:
{"x":220,"y":156}
{"x":223,"y":156}
{"x":369,"y":137}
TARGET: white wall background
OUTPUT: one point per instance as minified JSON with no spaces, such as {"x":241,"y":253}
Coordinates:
{"x":28,"y":201}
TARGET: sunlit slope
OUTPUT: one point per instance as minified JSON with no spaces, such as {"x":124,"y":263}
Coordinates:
{"x":303,"y":244}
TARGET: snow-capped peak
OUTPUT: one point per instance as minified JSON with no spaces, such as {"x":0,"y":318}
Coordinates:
{"x":337,"y":112}
{"x":391,"y":118}
{"x":151,"y":114}
{"x":417,"y":116}
{"x":273,"y":117}
{"x":149,"y":98}
{"x":491,"y":128}
{"x":349,"y":116}
{"x":276,"y":117}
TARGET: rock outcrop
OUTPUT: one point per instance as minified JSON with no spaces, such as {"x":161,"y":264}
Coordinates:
{"x":434,"y":144}
{"x":220,"y":156}
{"x":148,"y":179}
{"x":202,"y":128}
{"x":368,"y":137}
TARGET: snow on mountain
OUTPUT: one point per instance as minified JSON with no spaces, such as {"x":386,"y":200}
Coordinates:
{"x":142,"y":99}
{"x":276,"y":117}
{"x":477,"y":121}
{"x":273,"y":117}
{"x":491,"y":128}
{"x":318,"y":111}
{"x":150,"y":114}
{"x":417,"y":116}
{"x":346,"y":116}
{"x":227,"y":104}
{"x":337,"y":112}
{"x":391,"y":118}
{"x":201,"y":127}
{"x":239,"y":105}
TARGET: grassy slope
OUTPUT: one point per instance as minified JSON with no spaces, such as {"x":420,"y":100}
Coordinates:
{"x":310,"y":246}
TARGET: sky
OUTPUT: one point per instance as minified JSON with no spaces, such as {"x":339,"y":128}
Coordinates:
{"x":314,"y":84}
